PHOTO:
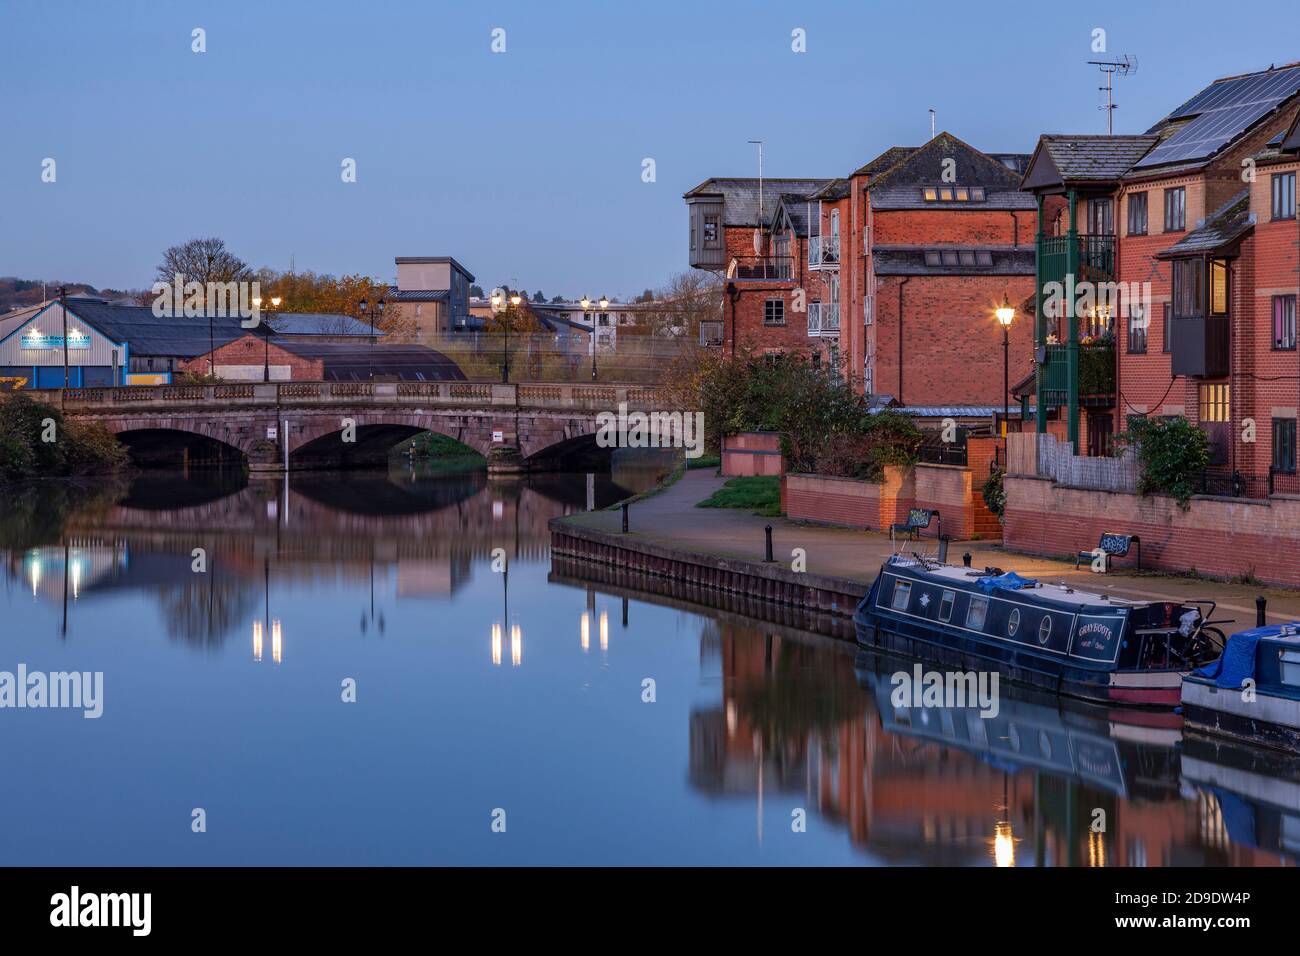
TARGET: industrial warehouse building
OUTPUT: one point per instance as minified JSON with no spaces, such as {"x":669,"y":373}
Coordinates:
{"x":110,"y":344}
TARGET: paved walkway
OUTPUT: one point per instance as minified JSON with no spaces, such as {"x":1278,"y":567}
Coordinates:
{"x":670,"y":518}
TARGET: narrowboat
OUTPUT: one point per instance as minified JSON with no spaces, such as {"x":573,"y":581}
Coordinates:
{"x":1252,"y":692}
{"x":1054,"y":637}
{"x":1257,"y":790}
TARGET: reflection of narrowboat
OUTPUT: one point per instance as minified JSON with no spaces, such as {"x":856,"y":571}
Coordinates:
{"x":1257,"y":789}
{"x":1033,"y":730}
{"x":1252,"y":692}
{"x":1092,"y":646}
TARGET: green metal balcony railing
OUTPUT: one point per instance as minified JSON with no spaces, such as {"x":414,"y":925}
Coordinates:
{"x":1095,"y":263}
{"x":1096,"y":373}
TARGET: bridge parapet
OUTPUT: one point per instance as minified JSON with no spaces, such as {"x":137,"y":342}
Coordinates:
{"x":561,"y":396}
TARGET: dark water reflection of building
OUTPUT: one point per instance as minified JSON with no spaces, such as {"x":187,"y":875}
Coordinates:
{"x":71,"y":544}
{"x":939,"y":786}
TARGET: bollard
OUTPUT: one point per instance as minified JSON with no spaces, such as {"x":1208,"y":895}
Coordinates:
{"x":965,"y":559}
{"x":625,"y":517}
{"x":1260,"y":604}
{"x":768,"y":558}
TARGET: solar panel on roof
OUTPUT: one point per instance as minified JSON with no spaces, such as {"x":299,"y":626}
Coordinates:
{"x":1222,"y":112}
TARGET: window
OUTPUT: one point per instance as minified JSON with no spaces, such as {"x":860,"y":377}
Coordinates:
{"x":1284,"y":195}
{"x":1284,"y":445}
{"x":1188,"y":284}
{"x":945,"y":603}
{"x":932,"y":257}
{"x":1045,"y":629}
{"x":1137,"y":214}
{"x":1284,"y":323}
{"x":1175,"y":209}
{"x":1167,"y":346}
{"x":952,"y":193}
{"x":867,"y":381}
{"x":1214,"y":402}
{"x":710,"y":232}
{"x":868,"y":306}
{"x":1101,"y":220}
{"x":710,"y":333}
{"x":950,"y":258}
{"x":945,"y":194}
{"x":963,"y":194}
{"x":930,"y":194}
{"x":983,"y":258}
{"x":902,"y":594}
{"x":774,"y":312}
{"x":835,"y":222}
{"x":977,"y":193}
{"x":1219,"y":287}
{"x":966,"y":257}
{"x":976,"y":613}
{"x":1137,"y":331}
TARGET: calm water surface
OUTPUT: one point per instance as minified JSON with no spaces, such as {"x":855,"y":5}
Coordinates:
{"x":478,"y":691}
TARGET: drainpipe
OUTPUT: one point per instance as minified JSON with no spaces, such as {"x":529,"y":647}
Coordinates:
{"x":1040,"y":325}
{"x":905,"y":280}
{"x":1072,"y":342}
{"x":733,"y":294}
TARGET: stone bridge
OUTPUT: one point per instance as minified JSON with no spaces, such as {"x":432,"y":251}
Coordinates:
{"x":289,"y":425}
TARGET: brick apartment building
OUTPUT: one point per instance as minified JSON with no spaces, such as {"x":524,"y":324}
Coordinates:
{"x":891,"y":275}
{"x":1200,"y":213}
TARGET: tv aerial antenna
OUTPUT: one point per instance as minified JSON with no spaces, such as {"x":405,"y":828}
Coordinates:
{"x":1126,"y":65}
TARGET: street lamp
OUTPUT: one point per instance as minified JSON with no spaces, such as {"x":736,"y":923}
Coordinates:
{"x":266,"y":341}
{"x":372,"y":316}
{"x":1006,"y":315}
{"x":586,"y":304}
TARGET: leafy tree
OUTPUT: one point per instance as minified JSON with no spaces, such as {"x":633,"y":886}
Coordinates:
{"x":476,"y":291}
{"x":538,"y":296}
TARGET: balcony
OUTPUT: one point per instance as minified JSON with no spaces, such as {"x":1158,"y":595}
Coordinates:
{"x":824,"y":318}
{"x":1096,"y":375}
{"x":1200,"y":346}
{"x":761,"y":268}
{"x":823,"y":252}
{"x":1095,"y":260}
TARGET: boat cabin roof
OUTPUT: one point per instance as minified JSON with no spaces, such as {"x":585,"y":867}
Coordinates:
{"x":1060,"y":593}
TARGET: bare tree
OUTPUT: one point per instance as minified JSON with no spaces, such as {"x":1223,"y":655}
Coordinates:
{"x":203,"y":261}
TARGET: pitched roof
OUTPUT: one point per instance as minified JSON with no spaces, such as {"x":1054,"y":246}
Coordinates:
{"x":345,"y":362}
{"x":147,"y":334}
{"x":1228,"y":223}
{"x":900,"y":186}
{"x":912,"y":261}
{"x":740,"y":196}
{"x":1060,"y":159}
{"x":835,"y":189}
{"x":1220,"y":115}
{"x":320,"y":323}
{"x":796,"y":207}
{"x":885,"y":160}
{"x":417,"y":295}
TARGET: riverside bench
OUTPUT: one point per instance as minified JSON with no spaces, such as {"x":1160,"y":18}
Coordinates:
{"x":1109,"y":547}
{"x":918,"y":519}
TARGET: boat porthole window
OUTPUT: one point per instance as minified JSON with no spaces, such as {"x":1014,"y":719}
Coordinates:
{"x":1013,"y":622}
{"x":945,"y":605}
{"x":1045,"y":629}
{"x":1045,"y":744}
{"x":1013,"y":738}
{"x":902,"y":594}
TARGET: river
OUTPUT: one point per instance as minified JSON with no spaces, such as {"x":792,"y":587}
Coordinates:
{"x":383,"y":668}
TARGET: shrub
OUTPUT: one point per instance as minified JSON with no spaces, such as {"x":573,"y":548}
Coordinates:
{"x":78,"y":448}
{"x":1172,"y":454}
{"x":994,"y":494}
{"x":876,"y":441}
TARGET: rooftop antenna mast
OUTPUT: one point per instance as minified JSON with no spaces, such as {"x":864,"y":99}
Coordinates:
{"x":1126,"y":65}
{"x":932,"y":124}
{"x":758,"y":229}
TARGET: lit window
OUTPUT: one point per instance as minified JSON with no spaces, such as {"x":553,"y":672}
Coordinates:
{"x":931,"y":194}
{"x":1215,"y":405}
{"x":1218,"y":287}
{"x":963,"y":194}
{"x":945,"y":194}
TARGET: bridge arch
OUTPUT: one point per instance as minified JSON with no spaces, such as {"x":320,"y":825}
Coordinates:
{"x":320,"y":438}
{"x":181,"y":442}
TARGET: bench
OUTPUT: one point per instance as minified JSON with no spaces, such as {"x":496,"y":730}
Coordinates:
{"x":918,"y":519}
{"x":1109,"y":547}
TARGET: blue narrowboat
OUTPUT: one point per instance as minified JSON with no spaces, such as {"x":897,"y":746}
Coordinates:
{"x":1252,"y":692}
{"x":1092,"y":646}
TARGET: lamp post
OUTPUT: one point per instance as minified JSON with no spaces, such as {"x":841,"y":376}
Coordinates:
{"x":63,"y":307}
{"x":586,"y":304}
{"x":1006,"y":315}
{"x":372,"y":316}
{"x":266,"y":341}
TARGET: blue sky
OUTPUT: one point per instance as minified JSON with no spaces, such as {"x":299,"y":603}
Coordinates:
{"x":526,"y":165}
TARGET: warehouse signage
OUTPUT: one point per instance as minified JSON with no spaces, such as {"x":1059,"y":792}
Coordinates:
{"x":36,"y":340}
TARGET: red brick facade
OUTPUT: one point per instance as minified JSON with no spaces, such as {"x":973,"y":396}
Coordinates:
{"x":251,"y":352}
